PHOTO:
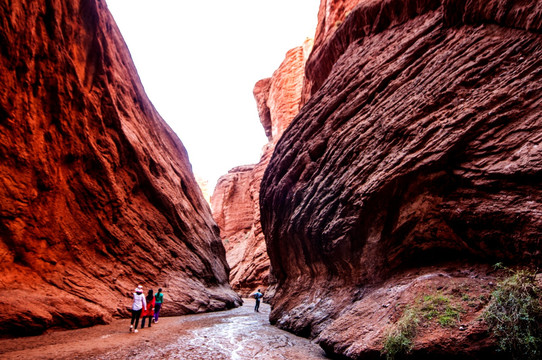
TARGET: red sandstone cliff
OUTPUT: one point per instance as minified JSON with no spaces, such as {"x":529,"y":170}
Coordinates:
{"x":97,"y":194}
{"x":235,"y":201}
{"x":414,"y":164}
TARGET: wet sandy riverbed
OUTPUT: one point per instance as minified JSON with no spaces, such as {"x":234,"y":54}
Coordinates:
{"x":236,"y":334}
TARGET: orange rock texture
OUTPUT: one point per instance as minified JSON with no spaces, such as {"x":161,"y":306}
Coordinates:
{"x":97,"y":193}
{"x":416,"y":156}
{"x":235,"y":200}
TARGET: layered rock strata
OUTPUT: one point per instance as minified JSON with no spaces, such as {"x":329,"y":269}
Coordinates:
{"x":418,"y":148}
{"x":97,"y":193}
{"x":235,"y":200}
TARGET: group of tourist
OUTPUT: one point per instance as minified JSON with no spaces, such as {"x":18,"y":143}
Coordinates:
{"x":145,"y":307}
{"x":148,"y":307}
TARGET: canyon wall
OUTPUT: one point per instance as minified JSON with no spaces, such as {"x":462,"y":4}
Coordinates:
{"x":413,"y":165}
{"x":235,"y":200}
{"x":97,"y":192}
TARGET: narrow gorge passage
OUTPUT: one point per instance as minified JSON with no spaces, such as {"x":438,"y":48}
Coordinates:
{"x":236,"y":334}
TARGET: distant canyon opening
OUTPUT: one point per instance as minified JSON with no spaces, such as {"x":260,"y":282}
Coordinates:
{"x":235,"y":201}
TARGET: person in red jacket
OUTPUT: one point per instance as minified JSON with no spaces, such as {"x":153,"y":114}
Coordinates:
{"x":149,"y":312}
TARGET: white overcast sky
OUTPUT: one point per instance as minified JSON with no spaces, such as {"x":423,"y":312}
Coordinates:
{"x":199,"y":61}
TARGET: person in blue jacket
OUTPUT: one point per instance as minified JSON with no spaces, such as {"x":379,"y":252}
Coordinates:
{"x":257,"y":295}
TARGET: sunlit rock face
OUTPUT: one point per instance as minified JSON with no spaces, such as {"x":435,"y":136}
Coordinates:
{"x":419,"y":145}
{"x":235,"y":200}
{"x":331,"y":15}
{"x":97,"y":194}
{"x":232,"y":204}
{"x":204,"y":187}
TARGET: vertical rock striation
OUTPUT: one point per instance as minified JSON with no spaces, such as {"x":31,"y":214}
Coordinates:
{"x":235,"y":201}
{"x":97,"y":193}
{"x":417,"y":152}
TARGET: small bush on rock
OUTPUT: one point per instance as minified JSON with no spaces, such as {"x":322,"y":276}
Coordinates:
{"x":514,"y":315}
{"x":399,"y":340}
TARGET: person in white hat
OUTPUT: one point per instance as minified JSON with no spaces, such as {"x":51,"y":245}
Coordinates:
{"x":139,"y":304}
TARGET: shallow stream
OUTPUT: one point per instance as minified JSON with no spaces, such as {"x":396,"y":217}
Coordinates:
{"x":236,"y":334}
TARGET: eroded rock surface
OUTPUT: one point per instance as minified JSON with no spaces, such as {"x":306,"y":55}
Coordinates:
{"x":97,"y":194}
{"x":418,"y":145}
{"x":235,"y":201}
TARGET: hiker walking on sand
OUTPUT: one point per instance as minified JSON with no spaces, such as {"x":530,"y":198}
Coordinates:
{"x":257,"y":295}
{"x":149,"y":313}
{"x":159,"y":300}
{"x":139,"y":304}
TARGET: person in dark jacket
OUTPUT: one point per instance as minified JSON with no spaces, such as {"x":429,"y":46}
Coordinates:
{"x":257,"y":295}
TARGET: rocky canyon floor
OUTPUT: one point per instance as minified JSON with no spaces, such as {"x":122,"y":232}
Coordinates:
{"x":235,"y":334}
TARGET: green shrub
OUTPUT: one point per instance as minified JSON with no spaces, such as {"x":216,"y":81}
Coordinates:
{"x":399,"y":340}
{"x":449,"y":318}
{"x":514,"y":315}
{"x":438,"y":306}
